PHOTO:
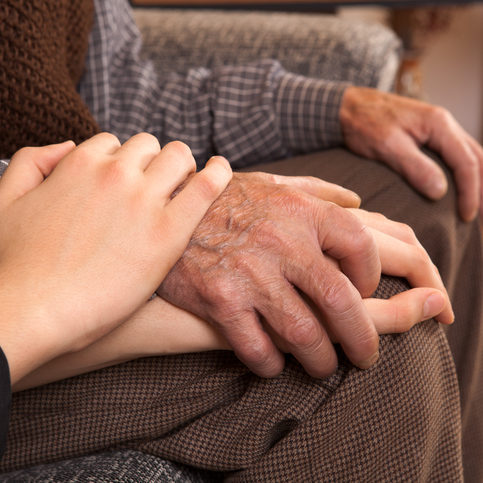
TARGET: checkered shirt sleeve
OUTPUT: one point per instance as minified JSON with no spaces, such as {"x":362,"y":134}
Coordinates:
{"x":252,"y":113}
{"x":3,"y":165}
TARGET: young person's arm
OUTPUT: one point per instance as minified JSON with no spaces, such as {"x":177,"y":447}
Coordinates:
{"x":87,"y":235}
{"x":160,"y":328}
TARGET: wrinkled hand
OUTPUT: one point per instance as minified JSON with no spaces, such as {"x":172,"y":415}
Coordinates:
{"x":260,"y":244}
{"x":392,"y":129}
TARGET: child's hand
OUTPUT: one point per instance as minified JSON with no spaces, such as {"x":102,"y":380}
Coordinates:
{"x":81,"y":250}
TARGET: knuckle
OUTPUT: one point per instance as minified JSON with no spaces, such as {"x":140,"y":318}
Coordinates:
{"x":407,"y":234}
{"x":420,"y":258}
{"x":335,"y":295}
{"x":471,"y":166}
{"x":302,"y":333}
{"x":363,"y":240}
{"x":367,"y":341}
{"x":148,"y":139}
{"x":207,"y":187}
{"x":293,"y":201}
{"x":257,"y":353}
{"x":441,"y":115}
{"x":271,"y":178}
{"x":380,"y":217}
{"x":113,"y":173}
{"x":224,"y":297}
{"x":179,"y":148}
{"x":108,"y":137}
{"x":263,"y":230}
{"x":24,"y":153}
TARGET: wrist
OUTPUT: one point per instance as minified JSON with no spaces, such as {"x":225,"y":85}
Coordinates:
{"x":28,"y":334}
{"x":348,"y":109}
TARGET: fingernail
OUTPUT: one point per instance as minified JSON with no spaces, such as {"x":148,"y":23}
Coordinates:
{"x":369,"y":362}
{"x":357,"y":197}
{"x":471,"y":216}
{"x":434,"y":305}
{"x":439,"y":187}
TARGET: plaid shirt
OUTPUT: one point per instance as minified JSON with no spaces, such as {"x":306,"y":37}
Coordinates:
{"x":249,"y":114}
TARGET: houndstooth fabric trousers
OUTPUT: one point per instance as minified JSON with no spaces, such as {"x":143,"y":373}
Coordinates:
{"x":415,"y":416}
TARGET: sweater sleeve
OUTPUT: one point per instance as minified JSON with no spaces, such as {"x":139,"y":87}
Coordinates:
{"x":251,"y":113}
{"x":5,"y":397}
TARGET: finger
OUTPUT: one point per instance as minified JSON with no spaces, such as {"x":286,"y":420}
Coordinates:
{"x":320,"y":189}
{"x":103,"y":142}
{"x":295,"y":329}
{"x":450,"y":140}
{"x":350,"y":242}
{"x":393,"y":228}
{"x":139,"y":150}
{"x":29,"y":167}
{"x":187,"y":209}
{"x":478,"y":150}
{"x":345,"y":316}
{"x":417,"y":168}
{"x":170,"y":168}
{"x":402,"y":311}
{"x":252,"y":345}
{"x":412,"y":262}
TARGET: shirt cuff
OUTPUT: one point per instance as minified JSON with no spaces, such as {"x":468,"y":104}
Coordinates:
{"x":3,"y":165}
{"x":5,"y":400}
{"x":308,"y":112}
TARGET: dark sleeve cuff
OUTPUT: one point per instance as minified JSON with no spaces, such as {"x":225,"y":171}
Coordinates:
{"x":308,"y":110}
{"x":5,"y":400}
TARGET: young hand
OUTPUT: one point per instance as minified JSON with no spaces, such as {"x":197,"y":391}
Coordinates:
{"x":87,"y":235}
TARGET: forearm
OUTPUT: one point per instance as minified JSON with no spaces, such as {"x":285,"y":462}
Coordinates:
{"x":158,"y":328}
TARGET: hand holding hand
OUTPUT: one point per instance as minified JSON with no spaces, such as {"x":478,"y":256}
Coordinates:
{"x":88,"y":233}
{"x":260,"y":242}
{"x":159,"y":328}
{"x":392,"y":129}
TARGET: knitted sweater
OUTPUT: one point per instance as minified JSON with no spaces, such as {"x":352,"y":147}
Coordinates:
{"x":42,"y":52}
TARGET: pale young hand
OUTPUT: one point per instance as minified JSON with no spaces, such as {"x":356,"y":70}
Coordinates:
{"x":392,"y":129}
{"x":87,"y":234}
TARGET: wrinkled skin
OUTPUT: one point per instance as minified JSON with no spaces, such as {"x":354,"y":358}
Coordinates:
{"x":392,"y":129}
{"x":267,"y":252}
{"x":258,"y":244}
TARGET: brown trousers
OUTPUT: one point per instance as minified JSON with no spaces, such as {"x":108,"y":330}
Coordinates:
{"x":406,"y":419}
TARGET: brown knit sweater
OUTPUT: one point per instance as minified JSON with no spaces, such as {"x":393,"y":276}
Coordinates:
{"x":42,"y":52}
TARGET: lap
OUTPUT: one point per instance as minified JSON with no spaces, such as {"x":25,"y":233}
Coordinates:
{"x":398,"y":420}
{"x":454,"y":246}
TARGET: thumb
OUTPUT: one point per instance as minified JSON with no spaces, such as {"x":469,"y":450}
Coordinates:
{"x":186,"y":210}
{"x":319,"y":188}
{"x":29,"y":167}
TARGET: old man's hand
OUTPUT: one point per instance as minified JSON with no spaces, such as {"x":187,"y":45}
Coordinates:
{"x":392,"y":129}
{"x":263,"y":243}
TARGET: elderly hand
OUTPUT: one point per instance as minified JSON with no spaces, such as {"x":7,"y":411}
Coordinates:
{"x":262,"y":243}
{"x":392,"y":129}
